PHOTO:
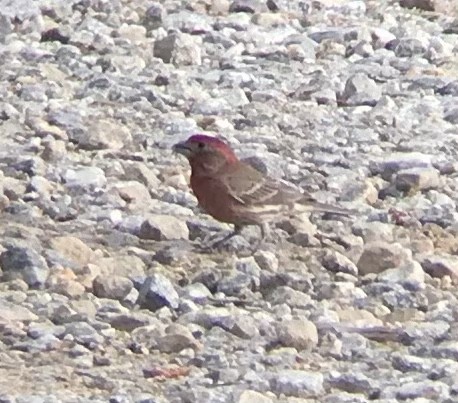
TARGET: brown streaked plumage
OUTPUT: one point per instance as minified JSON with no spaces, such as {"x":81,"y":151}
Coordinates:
{"x":234,"y":192}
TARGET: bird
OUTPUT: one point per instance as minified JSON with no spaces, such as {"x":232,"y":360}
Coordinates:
{"x":232,"y":191}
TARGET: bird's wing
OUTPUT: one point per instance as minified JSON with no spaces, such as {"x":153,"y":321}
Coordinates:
{"x":261,"y":194}
{"x":251,"y":187}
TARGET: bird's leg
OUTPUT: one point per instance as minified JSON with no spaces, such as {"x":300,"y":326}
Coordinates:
{"x":237,"y":231}
{"x":256,"y":245}
{"x":265,"y":231}
{"x":333,"y":238}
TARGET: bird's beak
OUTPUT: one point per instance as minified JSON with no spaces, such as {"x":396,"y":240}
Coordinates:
{"x":182,"y":148}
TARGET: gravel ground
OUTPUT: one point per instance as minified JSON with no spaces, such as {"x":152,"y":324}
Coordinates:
{"x":105,"y":291}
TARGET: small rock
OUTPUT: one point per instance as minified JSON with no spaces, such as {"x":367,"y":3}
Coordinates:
{"x":396,"y":162}
{"x":39,"y":329}
{"x":6,"y":27}
{"x":287,"y":295}
{"x":345,"y":397}
{"x":361,"y":90}
{"x":47,"y":342}
{"x":236,"y":284}
{"x":266,"y":260}
{"x":336,"y":262}
{"x":297,"y":383}
{"x":124,"y":64}
{"x":299,"y":224}
{"x":409,"y":47}
{"x":129,"y":321}
{"x":163,"y":228}
{"x":450,"y":89}
{"x":244,"y":327}
{"x":451,"y":115}
{"x":73,"y":249}
{"x":422,"y":245}
{"x":191,"y":22}
{"x":270,"y":20}
{"x":196,"y":292}
{"x":129,"y":266}
{"x":64,"y":282}
{"x":24,"y":263}
{"x":224,"y":375}
{"x":300,"y":47}
{"x":247,"y":6}
{"x":211,"y":106}
{"x":54,"y":150}
{"x":362,"y":48}
{"x":426,"y":389}
{"x":131,"y":299}
{"x":219,"y":7}
{"x":154,"y":15}
{"x":380,"y":256}
{"x":374,"y":231}
{"x":440,"y":266}
{"x":104,"y":134}
{"x":85,"y":178}
{"x":410,"y":275}
{"x":83,"y":333}
{"x":173,"y":254}
{"x":134,"y":33}
{"x":209,"y":317}
{"x":10,"y":312}
{"x":300,"y":334}
{"x":13,"y":188}
{"x":40,"y":185}
{"x":31,"y":166}
{"x":101,"y":361}
{"x":114,"y":287}
{"x":248,"y":265}
{"x":158,"y":292}
{"x":251,"y":396}
{"x":133,"y":192}
{"x":406,"y":363}
{"x":139,"y":172}
{"x":325,"y":96}
{"x":178,"y":48}
{"x":358,"y":317}
{"x":411,"y":179}
{"x":426,"y":5}
{"x":343,"y":289}
{"x":446,"y":349}
{"x":355,"y":382}
{"x":209,"y":277}
{"x":177,"y":338}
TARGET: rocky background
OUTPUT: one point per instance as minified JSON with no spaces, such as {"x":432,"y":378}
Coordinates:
{"x":105,"y":292}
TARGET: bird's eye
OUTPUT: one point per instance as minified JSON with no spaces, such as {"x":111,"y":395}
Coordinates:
{"x":200,"y":145}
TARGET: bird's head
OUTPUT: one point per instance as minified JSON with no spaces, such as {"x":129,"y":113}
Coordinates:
{"x":206,"y":153}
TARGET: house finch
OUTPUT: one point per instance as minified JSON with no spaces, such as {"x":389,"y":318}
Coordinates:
{"x":234,"y":192}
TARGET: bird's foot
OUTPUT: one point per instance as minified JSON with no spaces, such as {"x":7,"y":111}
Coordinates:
{"x":235,"y":242}
{"x":230,"y":242}
{"x":271,"y":237}
{"x":327,"y":239}
{"x":218,"y":243}
{"x":275,"y":237}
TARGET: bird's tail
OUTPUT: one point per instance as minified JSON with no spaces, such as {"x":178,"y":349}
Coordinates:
{"x":310,"y":205}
